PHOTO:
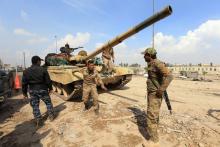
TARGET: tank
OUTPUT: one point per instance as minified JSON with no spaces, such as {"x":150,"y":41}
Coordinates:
{"x":67,"y":80}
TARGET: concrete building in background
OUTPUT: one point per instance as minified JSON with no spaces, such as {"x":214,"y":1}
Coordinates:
{"x":201,"y":69}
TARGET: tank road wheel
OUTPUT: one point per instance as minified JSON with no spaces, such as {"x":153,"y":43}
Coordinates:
{"x":66,"y":90}
{"x":59,"y":89}
{"x":54,"y":87}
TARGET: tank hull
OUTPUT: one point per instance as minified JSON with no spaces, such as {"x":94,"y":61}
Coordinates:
{"x":68,"y":81}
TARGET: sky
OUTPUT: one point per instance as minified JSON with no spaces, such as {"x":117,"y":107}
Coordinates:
{"x":190,"y":35}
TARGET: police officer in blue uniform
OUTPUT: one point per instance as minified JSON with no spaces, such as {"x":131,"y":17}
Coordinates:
{"x":37,"y":80}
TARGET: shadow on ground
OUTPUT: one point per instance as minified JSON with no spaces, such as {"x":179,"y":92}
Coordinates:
{"x":212,"y":112}
{"x":215,"y":94}
{"x":11,"y":106}
{"x":26,"y":135}
{"x":77,"y":100}
{"x":141,"y":122}
{"x":58,"y":109}
{"x":120,"y":96}
{"x":177,"y":101}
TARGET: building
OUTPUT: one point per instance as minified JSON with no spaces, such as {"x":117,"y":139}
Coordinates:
{"x":201,"y":69}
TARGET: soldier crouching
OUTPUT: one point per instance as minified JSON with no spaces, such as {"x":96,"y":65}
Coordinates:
{"x":91,"y":78}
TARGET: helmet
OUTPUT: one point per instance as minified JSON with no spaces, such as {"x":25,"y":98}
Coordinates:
{"x":150,"y":51}
{"x":82,"y":53}
{"x":67,"y":45}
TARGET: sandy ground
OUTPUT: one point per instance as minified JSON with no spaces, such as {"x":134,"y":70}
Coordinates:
{"x":121,"y":123}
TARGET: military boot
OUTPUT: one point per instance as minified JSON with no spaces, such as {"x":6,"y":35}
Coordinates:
{"x":39,"y":122}
{"x":51,"y":116}
{"x":86,"y":107}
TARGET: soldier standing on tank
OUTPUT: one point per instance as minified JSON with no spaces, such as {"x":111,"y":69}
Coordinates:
{"x":158,"y":80}
{"x":37,"y":79}
{"x":66,"y":49}
{"x":108,"y":60}
{"x":91,"y":78}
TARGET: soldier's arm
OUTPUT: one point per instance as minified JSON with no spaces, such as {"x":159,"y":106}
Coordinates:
{"x":24,"y":84}
{"x":99,"y":80}
{"x":48,"y":80}
{"x":167,"y":76}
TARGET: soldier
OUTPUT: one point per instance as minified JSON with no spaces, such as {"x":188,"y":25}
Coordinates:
{"x":66,"y":49}
{"x":158,"y":80}
{"x":108,"y":60}
{"x":90,"y":80}
{"x":40,"y":86}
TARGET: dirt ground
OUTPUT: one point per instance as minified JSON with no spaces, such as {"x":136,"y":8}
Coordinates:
{"x":195,"y":121}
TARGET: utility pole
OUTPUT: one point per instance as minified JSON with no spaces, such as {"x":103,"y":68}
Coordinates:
{"x":24,"y":60}
{"x":56,"y":42}
{"x":153,"y":28}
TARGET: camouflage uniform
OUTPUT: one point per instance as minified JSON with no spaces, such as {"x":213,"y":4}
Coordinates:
{"x":159,"y":78}
{"x":36,"y":95}
{"x":107,"y":58}
{"x":90,"y":81}
{"x":37,"y":80}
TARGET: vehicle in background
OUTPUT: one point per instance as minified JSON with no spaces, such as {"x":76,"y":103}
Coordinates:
{"x":6,"y":85}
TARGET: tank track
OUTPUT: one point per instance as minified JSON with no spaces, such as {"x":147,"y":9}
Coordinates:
{"x":75,"y":94}
{"x":125,"y":80}
{"x":77,"y":91}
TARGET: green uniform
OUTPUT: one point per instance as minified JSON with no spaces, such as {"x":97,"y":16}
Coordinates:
{"x":159,"y":78}
{"x":90,"y":81}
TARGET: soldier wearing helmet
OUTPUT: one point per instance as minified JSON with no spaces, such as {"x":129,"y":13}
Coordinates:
{"x":66,"y":49}
{"x":158,"y":80}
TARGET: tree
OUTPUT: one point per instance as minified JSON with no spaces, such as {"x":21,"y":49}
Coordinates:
{"x":136,"y":70}
{"x":123,"y":64}
{"x":135,"y":65}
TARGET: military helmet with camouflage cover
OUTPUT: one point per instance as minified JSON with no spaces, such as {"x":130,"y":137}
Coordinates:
{"x":150,"y":51}
{"x":82,"y":53}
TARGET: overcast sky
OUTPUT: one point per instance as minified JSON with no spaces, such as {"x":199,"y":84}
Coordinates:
{"x":190,"y":35}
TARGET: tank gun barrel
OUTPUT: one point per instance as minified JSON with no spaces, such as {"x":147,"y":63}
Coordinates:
{"x":118,"y":39}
